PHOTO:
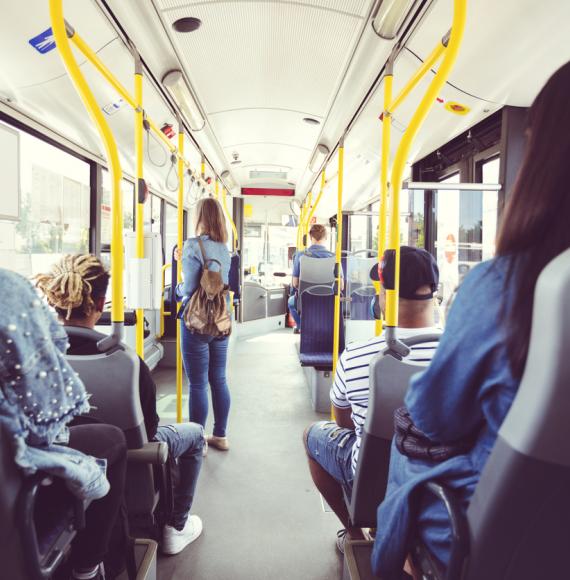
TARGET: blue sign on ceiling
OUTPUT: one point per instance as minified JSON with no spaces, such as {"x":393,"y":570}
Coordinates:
{"x":43,"y":42}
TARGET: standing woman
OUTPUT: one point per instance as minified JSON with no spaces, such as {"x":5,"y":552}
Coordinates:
{"x":205,"y":356}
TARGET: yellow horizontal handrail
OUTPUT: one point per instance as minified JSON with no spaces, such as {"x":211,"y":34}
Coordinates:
{"x":449,"y":58}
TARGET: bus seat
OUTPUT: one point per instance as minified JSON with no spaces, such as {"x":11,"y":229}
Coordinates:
{"x":361,"y":299}
{"x":315,"y":272}
{"x":518,"y":522}
{"x":389,"y":379}
{"x":112,"y":379}
{"x":318,"y":326}
{"x":39,"y":516}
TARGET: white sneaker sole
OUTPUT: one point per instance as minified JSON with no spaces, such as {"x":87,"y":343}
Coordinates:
{"x":175,"y":545}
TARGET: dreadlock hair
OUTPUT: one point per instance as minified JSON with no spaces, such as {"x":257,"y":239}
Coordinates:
{"x":73,"y":283}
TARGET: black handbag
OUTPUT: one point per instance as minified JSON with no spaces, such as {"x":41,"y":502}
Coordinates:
{"x":413,"y":443}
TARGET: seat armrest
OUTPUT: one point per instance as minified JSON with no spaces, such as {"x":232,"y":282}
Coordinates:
{"x":152,"y":453}
{"x":459,"y":532}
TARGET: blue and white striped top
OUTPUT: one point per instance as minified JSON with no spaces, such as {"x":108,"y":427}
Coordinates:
{"x":351,"y":385}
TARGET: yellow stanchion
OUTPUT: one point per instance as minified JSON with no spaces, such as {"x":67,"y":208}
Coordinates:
{"x":321,"y":191}
{"x":384,"y":169}
{"x":139,"y":153}
{"x":62,"y":34}
{"x":163,"y":313}
{"x":338,"y":256}
{"x":235,"y":244}
{"x":429,"y":98}
{"x":307,"y":219}
{"x":217,"y":189}
{"x":179,"y":277}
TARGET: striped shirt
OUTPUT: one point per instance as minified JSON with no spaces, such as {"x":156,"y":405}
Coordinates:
{"x":351,"y":385}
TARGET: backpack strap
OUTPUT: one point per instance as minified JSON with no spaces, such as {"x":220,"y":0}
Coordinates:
{"x":204,"y":257}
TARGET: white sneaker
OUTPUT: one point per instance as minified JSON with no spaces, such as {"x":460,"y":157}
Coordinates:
{"x":205,"y":448}
{"x":174,"y":541}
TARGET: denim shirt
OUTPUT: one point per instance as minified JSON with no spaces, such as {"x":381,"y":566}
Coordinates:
{"x":467,"y":390}
{"x":192,"y":264}
{"x":39,"y":391}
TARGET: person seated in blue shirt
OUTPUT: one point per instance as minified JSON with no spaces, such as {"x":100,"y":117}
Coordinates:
{"x":317,"y":235}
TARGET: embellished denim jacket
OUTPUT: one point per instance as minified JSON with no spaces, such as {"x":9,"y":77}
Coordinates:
{"x":39,"y":391}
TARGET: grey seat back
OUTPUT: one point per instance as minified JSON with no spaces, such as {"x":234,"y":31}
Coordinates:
{"x":112,"y":379}
{"x":389,"y":380}
{"x":315,"y":273}
{"x":519,"y":517}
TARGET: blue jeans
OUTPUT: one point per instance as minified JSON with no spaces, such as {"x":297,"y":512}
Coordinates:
{"x":292,"y":303}
{"x":331,"y":447}
{"x":205,"y":360}
{"x":185,"y":442}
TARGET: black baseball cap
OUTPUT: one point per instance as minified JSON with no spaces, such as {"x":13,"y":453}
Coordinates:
{"x":417,"y":268}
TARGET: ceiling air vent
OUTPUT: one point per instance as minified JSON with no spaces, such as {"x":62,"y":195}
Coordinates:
{"x":268,"y":175}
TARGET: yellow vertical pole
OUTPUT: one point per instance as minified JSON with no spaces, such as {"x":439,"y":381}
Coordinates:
{"x":384,"y":168}
{"x":179,"y":277}
{"x":139,"y":152}
{"x":429,"y":98}
{"x":203,"y":169}
{"x":217,"y":189}
{"x":307,"y":218}
{"x":321,"y":191}
{"x":338,"y":266}
{"x":62,"y":34}
{"x":230,"y":219}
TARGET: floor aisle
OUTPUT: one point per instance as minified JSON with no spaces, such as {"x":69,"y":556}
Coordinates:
{"x":263,"y":519}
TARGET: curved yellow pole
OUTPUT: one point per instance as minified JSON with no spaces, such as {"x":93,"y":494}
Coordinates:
{"x":58,"y":26}
{"x":384,"y":169}
{"x":337,"y":321}
{"x":234,"y":229}
{"x":449,"y":58}
{"x":139,"y":153}
{"x":179,"y":274}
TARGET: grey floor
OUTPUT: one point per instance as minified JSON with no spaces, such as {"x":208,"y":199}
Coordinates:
{"x":263,"y":518}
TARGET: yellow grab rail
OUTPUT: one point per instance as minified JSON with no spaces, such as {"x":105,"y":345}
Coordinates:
{"x":163,"y":313}
{"x":430,"y":61}
{"x":217,"y":189}
{"x":384,"y":168}
{"x":179,"y":271}
{"x":338,"y":256}
{"x":140,"y":188}
{"x":307,"y":224}
{"x":317,"y":201}
{"x":61,"y":32}
{"x":234,"y":229}
{"x":300,"y":246}
{"x":449,"y":58}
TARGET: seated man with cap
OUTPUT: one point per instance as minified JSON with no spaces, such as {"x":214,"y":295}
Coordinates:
{"x":332,"y":446}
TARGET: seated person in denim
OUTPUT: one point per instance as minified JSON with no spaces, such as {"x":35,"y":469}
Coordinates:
{"x":332,"y":447}
{"x":468,"y":389}
{"x":40,"y":395}
{"x":76,"y":288}
{"x":317,"y":235}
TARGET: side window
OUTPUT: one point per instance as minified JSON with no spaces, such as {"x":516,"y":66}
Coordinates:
{"x":53,"y":214}
{"x":128,"y":190}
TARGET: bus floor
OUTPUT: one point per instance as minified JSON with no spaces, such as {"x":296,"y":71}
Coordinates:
{"x":262,"y":516}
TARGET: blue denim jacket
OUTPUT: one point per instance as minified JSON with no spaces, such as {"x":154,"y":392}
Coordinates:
{"x":192,"y":264}
{"x":39,"y":392}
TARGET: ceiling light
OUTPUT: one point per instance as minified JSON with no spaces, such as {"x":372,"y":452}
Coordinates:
{"x":389,"y":17}
{"x":175,"y":83}
{"x":236,"y":162}
{"x":311,"y":121}
{"x":318,"y":158}
{"x":228,"y":180}
{"x":187,"y":24}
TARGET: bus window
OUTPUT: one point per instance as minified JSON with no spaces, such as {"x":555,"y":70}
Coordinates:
{"x":54,"y":209}
{"x":466,"y":226}
{"x":152,"y":214}
{"x":171,"y":229}
{"x":128,"y":190}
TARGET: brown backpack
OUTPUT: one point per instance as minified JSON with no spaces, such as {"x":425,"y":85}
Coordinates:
{"x":207,"y":311}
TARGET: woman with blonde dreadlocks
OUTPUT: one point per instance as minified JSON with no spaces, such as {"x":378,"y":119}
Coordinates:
{"x":76,"y":288}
